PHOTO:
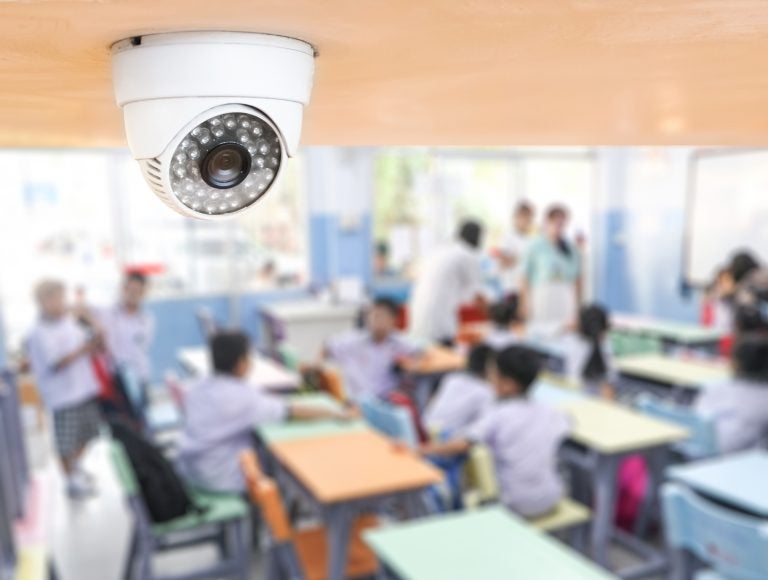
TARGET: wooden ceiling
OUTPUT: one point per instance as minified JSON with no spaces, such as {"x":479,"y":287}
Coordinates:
{"x":441,"y":72}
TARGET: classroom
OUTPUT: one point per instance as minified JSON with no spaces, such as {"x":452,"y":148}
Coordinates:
{"x":437,"y":290}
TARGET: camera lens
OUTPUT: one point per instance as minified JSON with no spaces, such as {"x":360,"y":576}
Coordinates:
{"x":226,"y":165}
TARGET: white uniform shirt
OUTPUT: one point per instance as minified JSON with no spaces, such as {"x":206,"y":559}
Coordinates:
{"x":514,"y":246}
{"x":368,"y":366}
{"x":129,"y":337}
{"x":576,"y":351}
{"x":451,"y":277}
{"x":740,"y":412}
{"x":461,"y":399}
{"x":499,"y":339}
{"x":524,"y":438}
{"x":49,"y":342}
{"x":220,"y":415}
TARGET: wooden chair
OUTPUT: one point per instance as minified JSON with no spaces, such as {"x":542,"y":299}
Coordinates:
{"x":300,"y":554}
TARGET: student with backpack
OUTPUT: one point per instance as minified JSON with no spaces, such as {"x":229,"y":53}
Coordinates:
{"x":222,"y":411}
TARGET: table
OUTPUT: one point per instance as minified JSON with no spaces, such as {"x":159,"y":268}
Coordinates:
{"x":344,"y":474}
{"x":485,"y":544}
{"x":738,"y":480}
{"x":684,"y":374}
{"x":427,"y":368}
{"x":291,"y":430}
{"x":603,"y":434}
{"x":307,"y":324}
{"x":670,"y":333}
{"x":265,"y":373}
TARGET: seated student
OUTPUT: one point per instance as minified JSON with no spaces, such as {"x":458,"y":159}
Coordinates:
{"x":503,"y":316}
{"x":462,"y":396}
{"x":587,"y":354}
{"x":739,"y":406}
{"x":368,"y":358}
{"x":221,"y":412}
{"x":523,"y":436}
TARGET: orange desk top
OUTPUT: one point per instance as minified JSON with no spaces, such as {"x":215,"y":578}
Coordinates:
{"x":353,"y":465}
{"x":436,"y":360}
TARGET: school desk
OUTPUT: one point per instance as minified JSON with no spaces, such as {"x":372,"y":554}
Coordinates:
{"x":678,"y":374}
{"x":670,"y":333}
{"x":265,"y":373}
{"x":289,"y":430}
{"x":427,"y":368}
{"x":344,"y":474}
{"x":603,"y":434}
{"x":485,"y":544}
{"x":738,"y":480}
{"x":307,"y":324}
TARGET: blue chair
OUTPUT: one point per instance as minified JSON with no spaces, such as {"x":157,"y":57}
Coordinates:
{"x":703,"y":440}
{"x":156,"y":417}
{"x":391,"y":420}
{"x":732,"y":544}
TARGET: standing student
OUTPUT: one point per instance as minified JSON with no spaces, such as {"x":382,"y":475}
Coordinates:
{"x":551,"y":288}
{"x":462,"y":396}
{"x":739,"y":407}
{"x":221,"y":413}
{"x":368,"y":358}
{"x":523,"y":436}
{"x":513,"y":250}
{"x":129,"y":328}
{"x":452,"y":276}
{"x":60,"y":353}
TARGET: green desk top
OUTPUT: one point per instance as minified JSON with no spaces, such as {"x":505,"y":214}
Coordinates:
{"x":288,"y":430}
{"x":678,"y":332}
{"x":486,"y":544}
{"x":672,"y":371}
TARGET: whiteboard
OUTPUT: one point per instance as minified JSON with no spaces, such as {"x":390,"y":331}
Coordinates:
{"x":727,"y":210}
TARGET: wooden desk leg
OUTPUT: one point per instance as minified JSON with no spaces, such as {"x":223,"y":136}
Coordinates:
{"x":605,"y":507}
{"x":338,"y":521}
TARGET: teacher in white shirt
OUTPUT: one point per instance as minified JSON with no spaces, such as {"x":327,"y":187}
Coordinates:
{"x":449,"y":277}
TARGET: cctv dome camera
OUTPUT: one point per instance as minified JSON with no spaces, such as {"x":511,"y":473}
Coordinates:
{"x":210,"y":116}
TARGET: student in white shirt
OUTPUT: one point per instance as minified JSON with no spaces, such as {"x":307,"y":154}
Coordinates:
{"x":452,"y":276}
{"x":523,"y":436}
{"x":739,"y":407}
{"x":513,"y":249}
{"x":368,"y":358}
{"x":505,"y":330}
{"x":587,"y":353}
{"x":463,"y":396}
{"x":222,"y":411}
{"x":60,"y":354}
{"x":129,"y":328}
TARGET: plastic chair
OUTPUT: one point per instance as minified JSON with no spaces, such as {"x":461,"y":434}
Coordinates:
{"x":155,"y":416}
{"x":299,"y":554}
{"x":288,"y":357}
{"x":733,"y":544}
{"x":224,"y":519}
{"x":703,"y":440}
{"x":480,"y":477}
{"x":390,"y":420}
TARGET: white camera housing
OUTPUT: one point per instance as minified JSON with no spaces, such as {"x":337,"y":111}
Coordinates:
{"x":244,"y":92}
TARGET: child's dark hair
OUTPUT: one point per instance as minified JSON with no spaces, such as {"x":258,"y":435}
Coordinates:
{"x":750,"y":353}
{"x":477,"y":360}
{"x":471,"y":232}
{"x":742,"y":264}
{"x":561,"y":213}
{"x":387,"y":304}
{"x":227,"y":349}
{"x":520,"y":364}
{"x":504,"y":313}
{"x":136,"y":276}
{"x":593,"y":324}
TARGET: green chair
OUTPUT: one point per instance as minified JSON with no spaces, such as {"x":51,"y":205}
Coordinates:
{"x":224,"y":520}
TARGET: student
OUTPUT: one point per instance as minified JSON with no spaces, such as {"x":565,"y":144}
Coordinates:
{"x":221,"y":413}
{"x":588,"y":357}
{"x":129,"y":328}
{"x":503,"y":316}
{"x":513,"y":249}
{"x":739,"y":407}
{"x":463,"y":396}
{"x":523,"y":436}
{"x":60,"y":353}
{"x":368,"y":358}
{"x":452,"y":276}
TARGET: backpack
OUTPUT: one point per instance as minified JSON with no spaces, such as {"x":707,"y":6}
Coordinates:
{"x":161,"y":488}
